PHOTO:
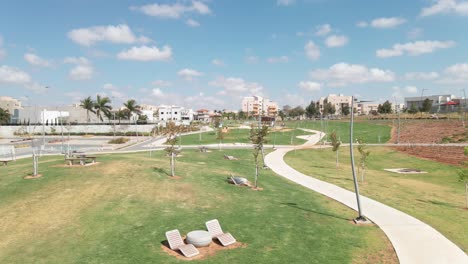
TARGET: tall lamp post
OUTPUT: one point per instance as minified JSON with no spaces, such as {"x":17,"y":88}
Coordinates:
{"x":361,"y":217}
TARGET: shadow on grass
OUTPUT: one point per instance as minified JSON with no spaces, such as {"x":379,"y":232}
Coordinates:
{"x":437,"y":203}
{"x":162,"y":171}
{"x":294,"y":205}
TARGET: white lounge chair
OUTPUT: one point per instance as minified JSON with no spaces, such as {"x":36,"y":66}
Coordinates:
{"x":176,"y":243}
{"x":215,"y":230}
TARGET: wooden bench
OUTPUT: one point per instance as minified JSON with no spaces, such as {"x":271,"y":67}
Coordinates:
{"x":5,"y":162}
{"x":82,"y":160}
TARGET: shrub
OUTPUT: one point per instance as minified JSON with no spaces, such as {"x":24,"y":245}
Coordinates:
{"x":120,"y":140}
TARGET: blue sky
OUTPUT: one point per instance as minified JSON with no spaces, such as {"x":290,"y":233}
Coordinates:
{"x":212,"y":53}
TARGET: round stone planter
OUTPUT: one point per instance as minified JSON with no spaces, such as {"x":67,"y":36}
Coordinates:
{"x":199,"y":238}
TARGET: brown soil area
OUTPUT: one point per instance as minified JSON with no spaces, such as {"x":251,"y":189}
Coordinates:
{"x":205,"y":252}
{"x":32,"y":176}
{"x":431,"y":132}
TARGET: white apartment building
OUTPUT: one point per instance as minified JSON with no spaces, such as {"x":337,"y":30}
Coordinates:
{"x":338,"y":101}
{"x":175,"y":113}
{"x":256,"y":105}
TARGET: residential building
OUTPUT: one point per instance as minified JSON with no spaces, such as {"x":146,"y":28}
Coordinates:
{"x":175,"y":113}
{"x":365,"y":108}
{"x":255,"y":105}
{"x":338,"y":101}
{"x":9,"y":103}
{"x":202,"y":115}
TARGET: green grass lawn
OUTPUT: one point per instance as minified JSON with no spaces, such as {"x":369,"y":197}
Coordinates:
{"x":285,"y":136}
{"x":436,"y":198}
{"x":370,"y":131}
{"x":118,"y":211}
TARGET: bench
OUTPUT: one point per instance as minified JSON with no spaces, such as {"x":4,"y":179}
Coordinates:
{"x":203,"y":149}
{"x":82,"y":160}
{"x":5,"y":162}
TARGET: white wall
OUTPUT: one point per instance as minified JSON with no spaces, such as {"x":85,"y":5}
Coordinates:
{"x":9,"y":131}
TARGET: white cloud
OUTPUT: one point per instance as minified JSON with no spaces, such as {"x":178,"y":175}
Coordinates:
{"x":387,"y":22}
{"x":146,"y":53}
{"x":81,"y":72}
{"x":189,"y":74}
{"x":236,"y":86}
{"x":281,"y":59}
{"x":342,"y":74}
{"x":323,"y":30}
{"x":294,"y":100}
{"x":312,"y":51}
{"x":218,"y":62}
{"x":35,"y":60}
{"x":334,"y":41}
{"x":446,"y":7}
{"x":414,"y":48}
{"x":285,"y":2}
{"x":114,"y":34}
{"x":251,"y":59}
{"x":400,"y":92}
{"x":114,"y":91}
{"x":172,"y":11}
{"x":83,"y":69}
{"x":192,"y":23}
{"x":11,"y":75}
{"x":157,"y":92}
{"x":425,"y":76}
{"x":76,"y":60}
{"x":310,"y":86}
{"x":411,"y":89}
{"x":14,"y":76}
{"x":362,"y":24}
{"x":202,"y":100}
{"x":161,"y":83}
{"x":455,"y":74}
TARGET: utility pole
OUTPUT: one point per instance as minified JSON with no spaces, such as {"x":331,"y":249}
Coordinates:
{"x":397,"y":108}
{"x":422,"y":92}
{"x":356,"y":186}
{"x":464,"y":107}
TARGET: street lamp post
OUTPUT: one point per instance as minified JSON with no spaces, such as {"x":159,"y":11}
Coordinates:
{"x":356,"y":186}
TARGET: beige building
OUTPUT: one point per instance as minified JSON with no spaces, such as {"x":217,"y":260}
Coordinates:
{"x":9,"y":103}
{"x":365,"y":108}
{"x":255,"y":105}
{"x":338,"y":101}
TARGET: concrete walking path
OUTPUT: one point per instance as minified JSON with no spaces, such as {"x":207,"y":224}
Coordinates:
{"x":414,"y":241}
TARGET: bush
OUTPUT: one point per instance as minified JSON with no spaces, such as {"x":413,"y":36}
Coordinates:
{"x":120,"y":140}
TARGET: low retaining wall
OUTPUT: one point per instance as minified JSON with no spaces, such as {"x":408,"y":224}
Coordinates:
{"x":10,"y":131}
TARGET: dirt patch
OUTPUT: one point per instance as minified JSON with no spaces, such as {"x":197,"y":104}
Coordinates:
{"x":431,"y":132}
{"x":75,"y":165}
{"x":205,"y":252}
{"x":174,"y":177}
{"x":32,"y":176}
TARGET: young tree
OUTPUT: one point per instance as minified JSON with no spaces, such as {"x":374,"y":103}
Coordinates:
{"x":385,"y":108}
{"x":88,"y":105}
{"x":463,"y":176}
{"x":102,"y":106}
{"x":362,"y":148}
{"x":258,"y":138}
{"x":335,"y":144}
{"x":220,"y":136}
{"x":171,"y":132}
{"x":329,"y":109}
{"x":311,"y":110}
{"x":345,"y":110}
{"x":413,"y":109}
{"x":4,"y":116}
{"x":426,"y":106}
{"x":281,"y":114}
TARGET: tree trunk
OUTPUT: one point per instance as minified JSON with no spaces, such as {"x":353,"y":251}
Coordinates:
{"x":337,"y":159}
{"x":263,"y":157}
{"x":466,"y":192}
{"x":172,"y":165}
{"x":256,"y":172}
{"x":362,"y":175}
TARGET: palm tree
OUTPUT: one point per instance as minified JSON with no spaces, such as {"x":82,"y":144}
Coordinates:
{"x":132,"y":107}
{"x":4,"y":116}
{"x":102,"y":106}
{"x":88,"y":105}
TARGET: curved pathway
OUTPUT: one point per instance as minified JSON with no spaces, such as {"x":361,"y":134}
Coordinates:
{"x":413,"y":240}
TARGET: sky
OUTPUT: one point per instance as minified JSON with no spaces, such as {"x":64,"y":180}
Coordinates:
{"x":211,"y":53}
